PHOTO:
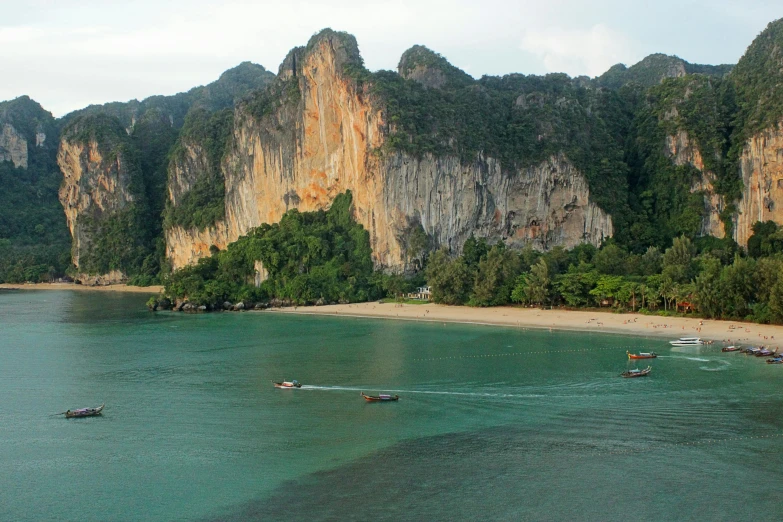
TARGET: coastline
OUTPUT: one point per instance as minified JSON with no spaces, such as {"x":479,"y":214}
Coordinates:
{"x":669,"y":328}
{"x":151,"y":290}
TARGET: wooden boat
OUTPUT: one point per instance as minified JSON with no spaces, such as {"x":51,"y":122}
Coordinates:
{"x":764,"y":352}
{"x":381,"y":397}
{"x":776,"y":360}
{"x":84,"y":412}
{"x":752,"y":351}
{"x":287,"y":384}
{"x":641,"y":355}
{"x":637,"y":373}
{"x":731,"y":349}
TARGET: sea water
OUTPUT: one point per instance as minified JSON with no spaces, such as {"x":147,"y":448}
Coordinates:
{"x":492,"y":423}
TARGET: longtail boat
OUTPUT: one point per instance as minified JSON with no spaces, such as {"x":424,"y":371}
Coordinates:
{"x":381,"y":397}
{"x":776,"y":360}
{"x":641,"y":355}
{"x":731,"y":349}
{"x":764,"y":352}
{"x":84,"y":412}
{"x":637,"y":373}
{"x":287,"y":384}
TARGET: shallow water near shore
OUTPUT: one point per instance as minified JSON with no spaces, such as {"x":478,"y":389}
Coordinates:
{"x":493,"y":423}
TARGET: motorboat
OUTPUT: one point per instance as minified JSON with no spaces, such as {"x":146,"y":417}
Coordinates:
{"x":687,"y":341}
{"x":380,"y":398}
{"x":731,"y":349}
{"x":637,"y":373}
{"x":287,"y":384}
{"x":84,"y":412}
{"x":641,"y":355}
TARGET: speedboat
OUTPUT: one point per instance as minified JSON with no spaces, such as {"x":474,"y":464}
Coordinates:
{"x":84,"y":412}
{"x":687,"y":341}
{"x":641,"y":355}
{"x":287,"y":384}
{"x":637,"y":373}
{"x":381,"y":397}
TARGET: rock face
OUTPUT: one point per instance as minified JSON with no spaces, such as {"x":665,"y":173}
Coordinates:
{"x":683,"y":151}
{"x":95,"y":184}
{"x":13,"y":147}
{"x":761,"y":167}
{"x":304,"y":153}
{"x":181,"y":174}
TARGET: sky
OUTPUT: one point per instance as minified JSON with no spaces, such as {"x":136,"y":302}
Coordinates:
{"x":70,"y":54}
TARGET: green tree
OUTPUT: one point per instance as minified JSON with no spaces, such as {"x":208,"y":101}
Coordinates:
{"x":450,"y":279}
{"x":537,"y":284}
{"x":611,"y":260}
{"x":575,"y":285}
{"x":494,"y":278}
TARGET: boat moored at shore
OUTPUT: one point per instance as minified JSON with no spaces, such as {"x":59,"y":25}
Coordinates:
{"x":687,"y":341}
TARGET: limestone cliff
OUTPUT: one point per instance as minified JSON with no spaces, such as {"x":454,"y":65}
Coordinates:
{"x":683,"y":151}
{"x":328,"y":136}
{"x":96,"y":187}
{"x":761,"y":167}
{"x":13,"y":146}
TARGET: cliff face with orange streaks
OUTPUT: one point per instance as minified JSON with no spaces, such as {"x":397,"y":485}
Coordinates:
{"x":92,"y":186}
{"x":328,"y":136}
{"x":761,"y":167}
{"x":682,"y":150}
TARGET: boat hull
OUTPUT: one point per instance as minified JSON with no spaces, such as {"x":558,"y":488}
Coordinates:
{"x":631,"y":374}
{"x":84,"y":412}
{"x":380,"y":398}
{"x":286,"y":385}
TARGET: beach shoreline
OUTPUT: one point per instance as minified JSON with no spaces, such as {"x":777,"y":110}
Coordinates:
{"x":151,"y":290}
{"x":589,"y":321}
{"x":592,"y":321}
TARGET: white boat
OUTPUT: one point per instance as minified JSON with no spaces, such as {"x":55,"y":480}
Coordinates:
{"x":687,"y":341}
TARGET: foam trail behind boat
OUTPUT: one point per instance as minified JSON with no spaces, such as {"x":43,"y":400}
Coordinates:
{"x":424,"y":392}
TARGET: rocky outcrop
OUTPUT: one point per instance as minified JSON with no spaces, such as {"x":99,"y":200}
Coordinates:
{"x":761,"y":167}
{"x":330,"y":140}
{"x":186,"y":246}
{"x":13,"y":147}
{"x":683,"y":151}
{"x":95,"y":184}
{"x":114,"y":277}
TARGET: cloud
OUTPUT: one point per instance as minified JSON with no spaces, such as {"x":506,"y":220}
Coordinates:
{"x":580,"y":51}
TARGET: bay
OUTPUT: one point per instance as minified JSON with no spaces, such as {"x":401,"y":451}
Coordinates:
{"x":493,"y":423}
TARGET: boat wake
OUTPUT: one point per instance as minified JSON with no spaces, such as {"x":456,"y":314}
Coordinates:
{"x":698,"y":359}
{"x":429,"y":392}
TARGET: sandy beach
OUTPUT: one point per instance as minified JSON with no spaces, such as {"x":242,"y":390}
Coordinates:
{"x":151,"y":290}
{"x":668,"y":328}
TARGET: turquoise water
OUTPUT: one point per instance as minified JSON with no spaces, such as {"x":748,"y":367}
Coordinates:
{"x":492,"y":423}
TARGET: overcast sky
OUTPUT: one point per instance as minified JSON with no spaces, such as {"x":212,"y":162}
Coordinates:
{"x":67,"y":54}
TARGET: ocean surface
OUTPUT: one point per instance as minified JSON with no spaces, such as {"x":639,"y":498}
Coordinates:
{"x":492,"y":423}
